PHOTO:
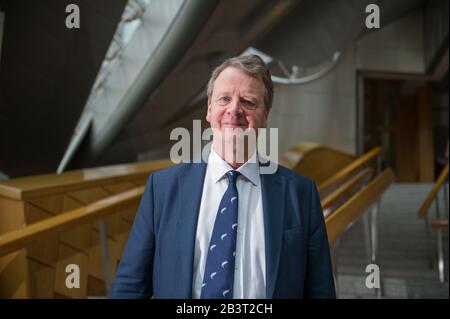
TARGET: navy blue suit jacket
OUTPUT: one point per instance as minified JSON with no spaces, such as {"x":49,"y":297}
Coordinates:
{"x":159,"y":255}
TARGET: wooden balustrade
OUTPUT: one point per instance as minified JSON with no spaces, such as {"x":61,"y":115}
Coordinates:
{"x":338,"y":177}
{"x":43,"y":206}
{"x":21,"y":238}
{"x":345,"y":191}
{"x":345,"y":215}
{"x":440,"y":224}
{"x":433,"y":193}
{"x":328,"y":167}
{"x":47,"y":222}
{"x":315,"y":161}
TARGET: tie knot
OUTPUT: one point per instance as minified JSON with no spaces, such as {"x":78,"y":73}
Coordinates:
{"x":232,"y":176}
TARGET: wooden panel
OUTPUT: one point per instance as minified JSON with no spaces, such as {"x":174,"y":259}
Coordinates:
{"x":13,"y":275}
{"x":41,"y":280}
{"x":13,"y":267}
{"x":88,"y":196}
{"x":45,"y":250}
{"x":49,"y":184}
{"x":128,"y":212}
{"x":119,"y":188}
{"x":96,"y":259}
{"x":320,"y":163}
{"x":426,"y":152}
{"x":295,"y":153}
{"x":96,"y":287}
{"x":12,"y":215}
{"x":52,"y":204}
{"x":20,"y":238}
{"x":111,"y":224}
{"x":406,"y":140}
{"x":140,"y":182}
{"x":78,"y":237}
{"x":68,"y":255}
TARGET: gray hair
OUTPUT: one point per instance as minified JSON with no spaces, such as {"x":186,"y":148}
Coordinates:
{"x":254,"y":66}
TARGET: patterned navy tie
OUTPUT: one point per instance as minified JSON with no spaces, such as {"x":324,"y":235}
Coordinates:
{"x":218,"y":278}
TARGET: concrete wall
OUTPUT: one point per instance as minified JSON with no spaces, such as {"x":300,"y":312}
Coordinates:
{"x":322,"y":111}
{"x":325,"y":111}
{"x":396,"y":47}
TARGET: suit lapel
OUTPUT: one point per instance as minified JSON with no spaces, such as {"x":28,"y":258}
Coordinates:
{"x":190,"y":186}
{"x":273,"y":190}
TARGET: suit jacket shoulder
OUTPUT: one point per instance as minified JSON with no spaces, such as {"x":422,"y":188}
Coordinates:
{"x":293,"y":176}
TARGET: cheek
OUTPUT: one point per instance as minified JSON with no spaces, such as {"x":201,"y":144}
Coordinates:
{"x":257,"y":120}
{"x":216,"y":114}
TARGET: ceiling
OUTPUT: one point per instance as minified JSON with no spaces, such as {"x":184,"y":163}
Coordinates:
{"x":46,"y":73}
{"x":46,"y":70}
{"x":307,"y":34}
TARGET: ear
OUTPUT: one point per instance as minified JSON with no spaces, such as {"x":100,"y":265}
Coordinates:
{"x":208,"y":113}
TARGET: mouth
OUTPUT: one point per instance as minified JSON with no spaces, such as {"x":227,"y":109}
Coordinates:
{"x":234,"y":125}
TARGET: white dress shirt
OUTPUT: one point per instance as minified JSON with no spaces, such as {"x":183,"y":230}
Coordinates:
{"x":250,"y":262}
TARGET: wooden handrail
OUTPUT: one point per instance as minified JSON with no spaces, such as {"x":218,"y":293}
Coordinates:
{"x":439,"y":223}
{"x":21,"y":238}
{"x":433,"y":193}
{"x":360,"y":161}
{"x":337,"y":196}
{"x":25,"y":188}
{"x":346,"y":214}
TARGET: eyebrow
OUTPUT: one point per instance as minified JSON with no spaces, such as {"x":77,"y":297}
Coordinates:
{"x":252,"y":97}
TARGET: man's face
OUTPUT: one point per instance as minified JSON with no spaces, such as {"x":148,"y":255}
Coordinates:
{"x":237,"y":101}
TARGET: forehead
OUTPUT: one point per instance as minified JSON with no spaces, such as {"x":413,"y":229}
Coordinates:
{"x":232,"y":79}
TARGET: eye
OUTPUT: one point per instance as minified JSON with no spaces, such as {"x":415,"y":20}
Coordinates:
{"x":223,"y":100}
{"x":248,"y":104}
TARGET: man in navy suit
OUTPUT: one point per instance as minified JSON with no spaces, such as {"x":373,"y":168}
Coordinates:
{"x":224,"y":229}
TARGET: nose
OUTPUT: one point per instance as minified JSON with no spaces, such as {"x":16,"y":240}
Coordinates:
{"x":235,"y":108}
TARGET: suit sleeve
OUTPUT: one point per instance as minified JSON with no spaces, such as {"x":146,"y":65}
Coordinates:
{"x":134,"y":274}
{"x":319,"y":277}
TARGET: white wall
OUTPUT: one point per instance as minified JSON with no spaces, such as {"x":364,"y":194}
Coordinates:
{"x":397,"y":47}
{"x":324,"y":111}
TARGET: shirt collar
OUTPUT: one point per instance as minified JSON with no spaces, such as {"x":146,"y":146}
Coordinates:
{"x":250,"y":169}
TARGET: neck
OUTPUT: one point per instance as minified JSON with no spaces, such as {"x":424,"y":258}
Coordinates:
{"x":233,"y":157}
